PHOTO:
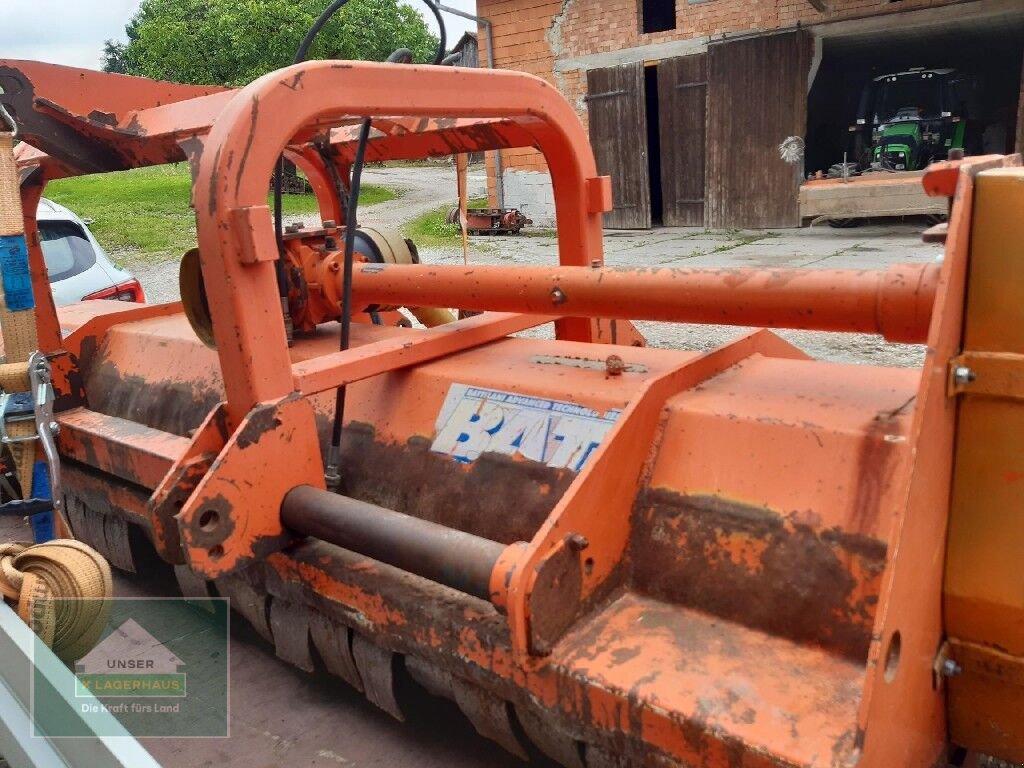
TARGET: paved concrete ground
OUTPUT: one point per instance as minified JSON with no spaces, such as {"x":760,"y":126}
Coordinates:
{"x":877,"y":246}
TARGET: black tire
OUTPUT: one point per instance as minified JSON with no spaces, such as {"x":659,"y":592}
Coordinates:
{"x":845,"y":223}
{"x":836,"y":170}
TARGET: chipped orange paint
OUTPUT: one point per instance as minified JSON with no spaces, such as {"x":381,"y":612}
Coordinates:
{"x":371,"y":606}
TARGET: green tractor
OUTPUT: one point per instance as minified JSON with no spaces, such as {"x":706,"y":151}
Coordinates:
{"x":906,"y":121}
{"x":909,"y":119}
{"x":919,"y":115}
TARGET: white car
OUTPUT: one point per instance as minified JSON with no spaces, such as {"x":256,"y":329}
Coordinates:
{"x":78,"y":267}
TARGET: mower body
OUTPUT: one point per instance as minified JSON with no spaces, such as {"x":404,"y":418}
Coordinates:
{"x":611,"y":554}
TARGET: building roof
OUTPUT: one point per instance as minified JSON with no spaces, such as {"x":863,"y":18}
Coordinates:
{"x":466,"y":38}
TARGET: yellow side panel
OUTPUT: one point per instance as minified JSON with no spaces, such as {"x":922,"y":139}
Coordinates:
{"x":984,"y":594}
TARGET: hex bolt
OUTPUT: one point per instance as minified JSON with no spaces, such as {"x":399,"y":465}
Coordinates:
{"x":54,"y":427}
{"x":963,"y":375}
{"x":951,"y":668}
{"x":557,"y":296}
{"x":329,"y":224}
{"x":614,"y":365}
{"x":595,"y":263}
{"x":577,"y":542}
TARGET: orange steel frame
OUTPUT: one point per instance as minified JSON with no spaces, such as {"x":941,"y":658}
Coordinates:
{"x":266,"y":422}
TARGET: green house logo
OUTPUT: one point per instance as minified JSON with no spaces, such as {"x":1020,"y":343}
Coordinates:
{"x":130,"y":662}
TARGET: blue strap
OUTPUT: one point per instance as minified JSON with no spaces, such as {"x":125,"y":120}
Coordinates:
{"x":17,"y":280}
{"x":41,"y":522}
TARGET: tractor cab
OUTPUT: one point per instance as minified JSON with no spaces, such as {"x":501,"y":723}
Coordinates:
{"x":910,"y":119}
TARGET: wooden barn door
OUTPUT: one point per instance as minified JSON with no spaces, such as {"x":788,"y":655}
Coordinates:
{"x":757,"y":97}
{"x":618,"y":133}
{"x":682,"y":98}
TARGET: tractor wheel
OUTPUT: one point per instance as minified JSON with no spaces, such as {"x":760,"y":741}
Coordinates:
{"x":836,"y":170}
{"x":845,"y":223}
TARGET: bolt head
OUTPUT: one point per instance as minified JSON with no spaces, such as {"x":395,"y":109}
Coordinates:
{"x":951,"y":668}
{"x":963,"y":375}
{"x":54,"y":427}
{"x":557,"y":296}
{"x":577,"y":542}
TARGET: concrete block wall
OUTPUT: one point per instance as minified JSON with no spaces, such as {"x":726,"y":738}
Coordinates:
{"x":532,"y":193}
{"x":559,"y":40}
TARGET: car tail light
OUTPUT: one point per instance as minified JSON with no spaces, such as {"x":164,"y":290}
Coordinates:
{"x":126,"y":291}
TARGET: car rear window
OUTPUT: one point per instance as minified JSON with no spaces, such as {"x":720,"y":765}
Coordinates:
{"x":66,"y":249}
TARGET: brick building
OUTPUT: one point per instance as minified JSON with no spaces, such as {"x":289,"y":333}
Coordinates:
{"x":687,"y":101}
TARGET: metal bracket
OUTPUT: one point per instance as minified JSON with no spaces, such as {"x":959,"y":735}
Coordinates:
{"x":8,"y":120}
{"x":988,"y":374}
{"x":606,"y":95}
{"x":39,"y":375}
{"x":36,"y":405}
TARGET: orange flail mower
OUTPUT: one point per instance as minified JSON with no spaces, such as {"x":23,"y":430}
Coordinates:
{"x":624,"y":555}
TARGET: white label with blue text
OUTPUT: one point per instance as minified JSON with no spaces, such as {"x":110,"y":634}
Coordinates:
{"x":474,"y":420}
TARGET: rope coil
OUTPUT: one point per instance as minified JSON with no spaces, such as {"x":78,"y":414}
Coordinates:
{"x":62,"y":591}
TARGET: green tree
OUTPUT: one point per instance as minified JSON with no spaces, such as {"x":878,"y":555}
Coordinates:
{"x":231,"y":42}
{"x":114,"y":57}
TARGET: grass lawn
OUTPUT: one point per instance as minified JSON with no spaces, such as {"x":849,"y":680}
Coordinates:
{"x":433,"y":229}
{"x":145,"y":214}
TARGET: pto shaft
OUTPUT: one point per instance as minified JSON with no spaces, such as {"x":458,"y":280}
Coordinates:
{"x":896,"y":303}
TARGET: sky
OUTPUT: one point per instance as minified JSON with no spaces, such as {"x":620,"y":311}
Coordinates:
{"x":72,"y":32}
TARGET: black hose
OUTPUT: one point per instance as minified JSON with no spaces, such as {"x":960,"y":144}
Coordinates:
{"x":402,"y":55}
{"x":442,"y":42}
{"x":281,"y":270}
{"x":300,"y":56}
{"x":346,"y":281}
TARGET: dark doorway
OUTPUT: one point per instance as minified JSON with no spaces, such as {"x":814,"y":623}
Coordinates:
{"x":653,"y":143}
{"x":985,"y":51}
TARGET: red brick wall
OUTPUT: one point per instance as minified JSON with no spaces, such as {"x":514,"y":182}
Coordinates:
{"x":529,"y":35}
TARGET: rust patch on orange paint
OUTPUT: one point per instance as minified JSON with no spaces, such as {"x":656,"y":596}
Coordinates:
{"x":371,"y":606}
{"x":496,"y":497}
{"x":752,"y":565}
